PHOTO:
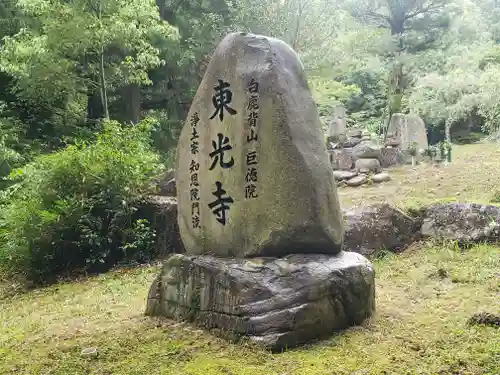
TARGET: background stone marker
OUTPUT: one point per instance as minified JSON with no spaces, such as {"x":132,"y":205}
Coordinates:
{"x":407,"y":129}
{"x":253,"y":176}
{"x":337,"y":126}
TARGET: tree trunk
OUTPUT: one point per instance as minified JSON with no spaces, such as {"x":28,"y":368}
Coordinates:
{"x":102,"y":74}
{"x":396,"y":83}
{"x":129,"y":107}
{"x":298,"y":16}
{"x":386,"y":129}
{"x":94,"y":107}
{"x":102,"y":88}
{"x":447,"y":133}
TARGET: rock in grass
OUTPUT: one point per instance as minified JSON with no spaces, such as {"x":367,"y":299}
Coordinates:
{"x":368,"y":166}
{"x":357,"y":181}
{"x":343,"y":175}
{"x":381,"y":177}
{"x":466,"y":223}
{"x":485,"y":319}
{"x":277,"y":303}
{"x":89,"y":353}
{"x":371,"y":229}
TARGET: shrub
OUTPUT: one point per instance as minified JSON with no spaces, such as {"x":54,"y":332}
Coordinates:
{"x":74,"y":209}
{"x":9,"y":157}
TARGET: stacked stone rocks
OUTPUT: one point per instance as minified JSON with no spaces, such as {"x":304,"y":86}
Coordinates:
{"x":358,"y":159}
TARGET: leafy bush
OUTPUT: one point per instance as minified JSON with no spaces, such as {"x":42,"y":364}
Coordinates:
{"x":165,"y":134}
{"x":9,"y":156}
{"x":328,"y":94}
{"x":74,"y":209}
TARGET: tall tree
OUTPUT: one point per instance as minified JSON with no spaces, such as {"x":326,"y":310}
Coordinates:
{"x":304,"y":24}
{"x":84,"y":47}
{"x":413,"y":25}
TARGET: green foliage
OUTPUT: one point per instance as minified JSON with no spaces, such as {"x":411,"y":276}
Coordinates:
{"x":164,"y":135}
{"x":74,"y":209}
{"x":9,"y":157}
{"x":67,"y":64}
{"x":412,"y":149}
{"x":328,"y":94}
{"x":367,"y":106}
{"x":306,"y":25}
{"x":459,"y":94}
{"x":70,"y":31}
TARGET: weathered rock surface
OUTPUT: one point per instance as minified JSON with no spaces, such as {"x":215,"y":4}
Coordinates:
{"x":276,"y":303}
{"x":337,"y":126}
{"x":166,"y":184}
{"x":390,"y":157}
{"x":342,"y":159}
{"x":161,"y":212}
{"x":357,"y":181}
{"x":253,"y":176}
{"x":393,"y":142}
{"x":355,"y":133}
{"x":379,"y":227}
{"x":335,"y":141}
{"x":408,"y":129}
{"x":368,"y":229}
{"x":168,"y":188}
{"x":368,"y":166}
{"x":343,"y":175}
{"x":465,"y":223}
{"x":332,"y":146}
{"x":366,"y":150}
{"x":381,"y":177}
{"x":351,"y":142}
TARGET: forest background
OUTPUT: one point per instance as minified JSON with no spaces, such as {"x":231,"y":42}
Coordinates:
{"x":93,"y":94}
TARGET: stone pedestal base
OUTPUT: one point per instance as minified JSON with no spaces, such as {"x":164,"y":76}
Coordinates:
{"x":278,"y":303}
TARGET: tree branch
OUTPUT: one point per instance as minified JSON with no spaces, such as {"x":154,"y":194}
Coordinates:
{"x":379,"y":19}
{"x":434,"y":5}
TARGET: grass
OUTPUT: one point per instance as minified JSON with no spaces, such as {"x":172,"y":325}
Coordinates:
{"x":471,"y":177}
{"x":424,"y":300}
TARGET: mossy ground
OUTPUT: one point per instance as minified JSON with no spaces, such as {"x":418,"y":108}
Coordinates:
{"x":424,"y":300}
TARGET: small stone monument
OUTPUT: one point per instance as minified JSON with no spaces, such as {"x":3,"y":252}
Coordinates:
{"x":258,"y":210}
{"x":337,"y":127}
{"x":406,"y":129}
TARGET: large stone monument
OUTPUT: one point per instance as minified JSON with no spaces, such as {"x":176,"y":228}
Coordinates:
{"x":258,"y":210}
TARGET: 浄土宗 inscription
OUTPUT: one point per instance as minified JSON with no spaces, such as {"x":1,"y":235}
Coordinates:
{"x":260,"y":182}
{"x":258,"y":211}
